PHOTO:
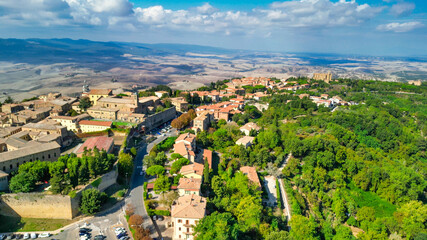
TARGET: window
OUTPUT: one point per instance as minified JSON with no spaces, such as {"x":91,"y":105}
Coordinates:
{"x":179,"y":220}
{"x":54,"y":154}
{"x":17,"y":164}
{"x":4,"y":168}
{"x":11,"y":166}
{"x":187,"y":222}
{"x":43,"y":157}
{"x":48,"y":156}
{"x":188,"y":229}
{"x":179,"y":228}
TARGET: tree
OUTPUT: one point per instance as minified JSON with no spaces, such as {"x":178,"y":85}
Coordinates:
{"x":412,"y":217}
{"x":302,"y":228}
{"x":282,"y":235}
{"x":8,"y":100}
{"x":22,"y":182}
{"x":91,"y":201}
{"x":344,"y":233}
{"x":125,"y":164}
{"x":155,"y":170}
{"x":58,"y":180}
{"x":175,"y":156}
{"x":221,"y":226}
{"x":133,"y":151}
{"x":366,"y":213}
{"x":162,"y":184}
{"x":206,"y":178}
{"x":84,"y":103}
{"x":135,"y":220}
{"x":177,"y":165}
{"x":248,"y":212}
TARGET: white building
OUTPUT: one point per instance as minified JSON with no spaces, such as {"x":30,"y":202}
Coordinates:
{"x":186,"y":213}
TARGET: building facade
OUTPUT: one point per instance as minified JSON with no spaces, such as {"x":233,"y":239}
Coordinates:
{"x":186,"y":213}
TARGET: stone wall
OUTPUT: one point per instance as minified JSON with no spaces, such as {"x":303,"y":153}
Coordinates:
{"x":158,"y":119}
{"x":37,"y":205}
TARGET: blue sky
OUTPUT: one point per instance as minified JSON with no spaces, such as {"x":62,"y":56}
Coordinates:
{"x":366,"y":27}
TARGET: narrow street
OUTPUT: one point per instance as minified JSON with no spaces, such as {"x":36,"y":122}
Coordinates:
{"x":282,"y":189}
{"x":135,"y":196}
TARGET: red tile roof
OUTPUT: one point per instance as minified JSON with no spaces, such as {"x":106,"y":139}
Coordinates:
{"x":100,"y":92}
{"x":96,"y":123}
{"x":102,"y":142}
{"x":250,"y":172}
{"x":207,"y":155}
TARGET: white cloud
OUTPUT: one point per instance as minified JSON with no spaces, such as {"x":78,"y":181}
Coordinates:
{"x":204,"y":18}
{"x":400,"y":27}
{"x":402,"y":9}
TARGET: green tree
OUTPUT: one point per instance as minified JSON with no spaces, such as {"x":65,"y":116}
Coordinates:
{"x":412,"y":217}
{"x":133,"y":151}
{"x":344,"y":233}
{"x":177,"y":165}
{"x":22,"y":182}
{"x":302,"y":228}
{"x":221,"y":226}
{"x":91,"y":201}
{"x":8,"y":100}
{"x":155,"y":170}
{"x":84,"y":103}
{"x":162,"y":184}
{"x":206,"y":178}
{"x":282,"y":235}
{"x":248,"y":212}
{"x":125,"y":164}
{"x":366,"y":213}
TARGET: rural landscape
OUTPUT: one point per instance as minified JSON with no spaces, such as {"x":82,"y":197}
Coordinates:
{"x":241,"y":120}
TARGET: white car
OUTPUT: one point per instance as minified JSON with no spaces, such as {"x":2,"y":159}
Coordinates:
{"x":33,"y":235}
{"x":44,"y":235}
{"x":26,"y":236}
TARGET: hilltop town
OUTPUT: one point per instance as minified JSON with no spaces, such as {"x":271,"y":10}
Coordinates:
{"x":267,"y":157}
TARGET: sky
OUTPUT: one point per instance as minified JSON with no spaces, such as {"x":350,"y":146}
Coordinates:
{"x":363,"y":27}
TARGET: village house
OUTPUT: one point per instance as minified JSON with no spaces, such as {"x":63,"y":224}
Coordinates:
{"x":208,"y":156}
{"x":252,"y":175}
{"x":71,"y":123}
{"x":101,"y":143}
{"x":185,"y":145}
{"x":188,"y":186}
{"x":95,"y":94}
{"x":245,"y":141}
{"x":186,"y":213}
{"x":94,"y":126}
{"x":180,"y":104}
{"x":194,"y":170}
{"x":248,"y":127}
{"x":202,"y":121}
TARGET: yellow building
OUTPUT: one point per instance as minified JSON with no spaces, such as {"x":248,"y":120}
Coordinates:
{"x":71,"y":123}
{"x":194,"y":170}
{"x":96,"y":94}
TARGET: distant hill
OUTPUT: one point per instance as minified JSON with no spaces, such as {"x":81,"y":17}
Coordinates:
{"x":38,"y":51}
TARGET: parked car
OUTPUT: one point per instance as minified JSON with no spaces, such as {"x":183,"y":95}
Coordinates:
{"x":44,"y":235}
{"x":26,"y":236}
{"x":99,"y":237}
{"x":122,"y":234}
{"x":33,"y":235}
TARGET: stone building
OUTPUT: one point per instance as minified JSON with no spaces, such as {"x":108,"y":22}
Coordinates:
{"x":71,"y":123}
{"x":95,"y":94}
{"x":202,"y":122}
{"x":180,"y":104}
{"x":4,"y":184}
{"x":186,"y":213}
{"x":327,"y":77}
{"x":28,"y":152}
{"x":188,"y":186}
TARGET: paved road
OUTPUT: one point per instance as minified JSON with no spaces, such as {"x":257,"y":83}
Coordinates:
{"x":282,"y":189}
{"x":137,"y":182}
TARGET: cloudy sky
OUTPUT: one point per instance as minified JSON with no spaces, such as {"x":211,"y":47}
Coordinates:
{"x":366,"y":27}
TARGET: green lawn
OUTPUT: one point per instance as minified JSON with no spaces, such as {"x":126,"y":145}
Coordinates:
{"x":382,"y":207}
{"x":17,"y":224}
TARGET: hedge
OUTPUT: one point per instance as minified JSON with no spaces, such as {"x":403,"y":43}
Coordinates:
{"x":279,"y":196}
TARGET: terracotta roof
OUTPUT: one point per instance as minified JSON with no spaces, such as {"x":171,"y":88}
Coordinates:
{"x":249,"y":126}
{"x":189,"y":206}
{"x":190,"y":184}
{"x":150,"y":185}
{"x":100,"y":92}
{"x":207,"y":154}
{"x":250,"y":172}
{"x":245,"y":140}
{"x":183,"y":149}
{"x":96,"y":123}
{"x":98,"y":142}
{"x":196,"y":168}
{"x":186,"y":137}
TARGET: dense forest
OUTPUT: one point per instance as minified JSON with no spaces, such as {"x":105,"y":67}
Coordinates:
{"x":357,"y":172}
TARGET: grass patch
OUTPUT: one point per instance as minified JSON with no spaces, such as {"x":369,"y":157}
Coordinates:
{"x":18,"y":224}
{"x":382,"y":207}
{"x":96,"y":183}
